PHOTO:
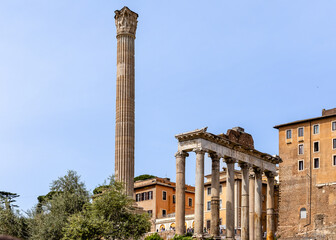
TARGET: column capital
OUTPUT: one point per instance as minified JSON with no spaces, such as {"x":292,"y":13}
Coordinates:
{"x":257,"y":171}
{"x":229,"y":159}
{"x":244,"y":165}
{"x":126,"y":22}
{"x":182,"y":154}
{"x":199,"y":150}
{"x":214,"y":156}
{"x":270,"y":174}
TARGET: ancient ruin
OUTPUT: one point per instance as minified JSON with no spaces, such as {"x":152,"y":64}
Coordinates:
{"x":126,"y":24}
{"x":234,"y":147}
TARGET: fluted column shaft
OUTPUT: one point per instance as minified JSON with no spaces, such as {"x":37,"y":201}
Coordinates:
{"x":214,"y":225}
{"x":270,"y":206}
{"x":257,"y":205}
{"x":245,"y":202}
{"x":230,"y":234}
{"x":126,"y":22}
{"x":199,"y":193}
{"x":180,"y":192}
{"x":251,"y":202}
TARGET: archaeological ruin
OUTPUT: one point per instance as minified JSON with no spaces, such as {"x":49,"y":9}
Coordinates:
{"x":126,"y":24}
{"x":234,"y":147}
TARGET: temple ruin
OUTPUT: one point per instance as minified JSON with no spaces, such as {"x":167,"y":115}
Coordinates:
{"x":234,"y":147}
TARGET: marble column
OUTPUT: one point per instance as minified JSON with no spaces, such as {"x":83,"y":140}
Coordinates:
{"x":270,"y":205}
{"x":251,"y":203}
{"x":199,"y":194}
{"x":214,"y":226}
{"x":230,"y":234}
{"x":245,"y":201}
{"x":258,"y":204}
{"x":180,"y":192}
{"x":126,"y":24}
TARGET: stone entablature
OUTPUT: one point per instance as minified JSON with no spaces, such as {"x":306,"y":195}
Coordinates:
{"x":209,"y":142}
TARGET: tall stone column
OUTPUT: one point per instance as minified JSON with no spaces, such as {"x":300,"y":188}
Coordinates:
{"x":180,"y":192}
{"x":270,"y":205}
{"x":257,"y":204}
{"x":126,"y":23}
{"x":199,"y":194}
{"x":251,"y":202}
{"x":230,"y":234}
{"x":245,"y":201}
{"x":214,"y":225}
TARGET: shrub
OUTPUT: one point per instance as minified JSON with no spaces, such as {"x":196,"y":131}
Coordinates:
{"x":154,"y":236}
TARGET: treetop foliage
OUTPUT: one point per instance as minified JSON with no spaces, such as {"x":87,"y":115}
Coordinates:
{"x":66,"y":212}
{"x":143,"y":177}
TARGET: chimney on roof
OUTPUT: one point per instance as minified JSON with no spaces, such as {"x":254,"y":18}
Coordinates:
{"x":328,"y":112}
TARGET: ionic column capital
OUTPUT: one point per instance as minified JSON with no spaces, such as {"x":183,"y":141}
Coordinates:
{"x":244,"y":165}
{"x":214,"y":156}
{"x":182,"y":154}
{"x":229,"y":159}
{"x":257,"y":171}
{"x":199,"y":150}
{"x":270,"y":174}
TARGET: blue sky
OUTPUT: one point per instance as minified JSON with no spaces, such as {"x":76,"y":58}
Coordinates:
{"x":216,"y":63}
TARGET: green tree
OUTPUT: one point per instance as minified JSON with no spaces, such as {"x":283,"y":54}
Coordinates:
{"x":111,"y":215}
{"x":144,"y":177}
{"x":11,"y":222}
{"x":67,"y":196}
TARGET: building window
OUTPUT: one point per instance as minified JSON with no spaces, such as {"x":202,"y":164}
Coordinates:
{"x":150,"y":212}
{"x":220,"y":188}
{"x":220,"y":205}
{"x":303,"y":213}
{"x":150,"y":195}
{"x":164,"y":212}
{"x":301,"y":149}
{"x":316,"y":163}
{"x":143,"y":196}
{"x":220,"y":221}
{"x":289,"y":134}
{"x":300,"y":132}
{"x":316,"y":146}
{"x":333,"y":126}
{"x":316,"y":129}
{"x":174,"y":199}
{"x":209,"y":191}
{"x":208,"y":224}
{"x":164,"y":195}
{"x":334,"y":143}
{"x":137,"y":197}
{"x":300,"y":165}
{"x":209,"y":205}
{"x":190,"y":202}
{"x":334,"y":160}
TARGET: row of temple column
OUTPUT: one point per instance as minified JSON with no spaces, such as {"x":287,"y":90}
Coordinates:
{"x":251,"y":198}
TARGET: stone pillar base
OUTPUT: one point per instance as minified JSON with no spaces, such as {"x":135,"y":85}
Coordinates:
{"x":198,"y":236}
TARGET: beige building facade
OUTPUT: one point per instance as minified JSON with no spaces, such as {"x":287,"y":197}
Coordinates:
{"x":308,"y":177}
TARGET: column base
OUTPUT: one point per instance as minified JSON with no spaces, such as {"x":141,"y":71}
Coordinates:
{"x":198,"y":236}
{"x":216,"y":237}
{"x":231,"y":238}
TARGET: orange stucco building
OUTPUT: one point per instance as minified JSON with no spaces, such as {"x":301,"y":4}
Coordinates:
{"x":157,"y":197}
